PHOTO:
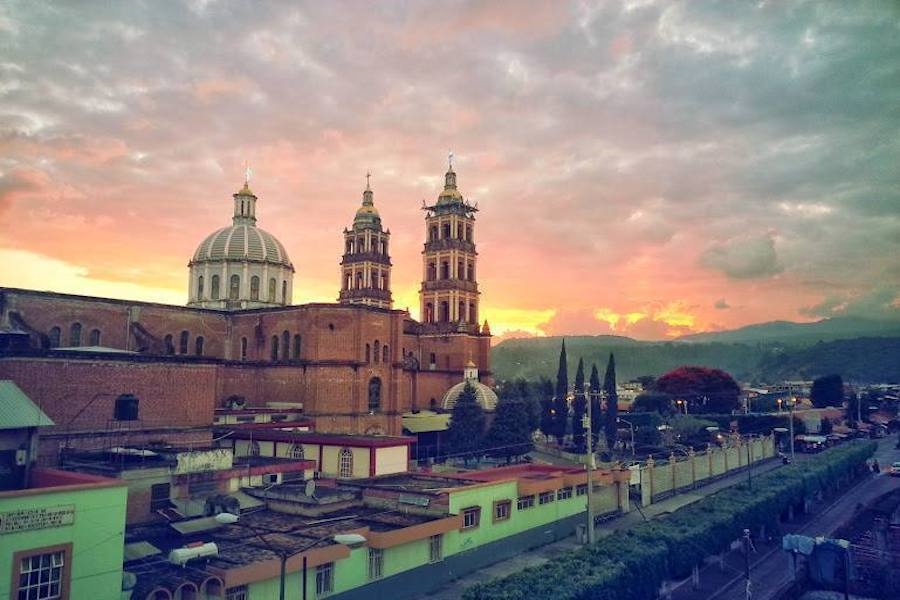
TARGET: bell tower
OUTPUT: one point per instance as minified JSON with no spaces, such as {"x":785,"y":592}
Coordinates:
{"x":366,"y":265}
{"x":449,"y":293}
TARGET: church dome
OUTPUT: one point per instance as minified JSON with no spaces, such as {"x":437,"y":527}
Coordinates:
{"x":242,"y":243}
{"x":367,"y":216}
{"x":485,"y":396}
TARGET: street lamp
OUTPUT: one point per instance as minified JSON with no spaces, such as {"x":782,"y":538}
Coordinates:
{"x":682,"y":404}
{"x":791,"y":402}
{"x":347,"y":539}
{"x":631,"y":426}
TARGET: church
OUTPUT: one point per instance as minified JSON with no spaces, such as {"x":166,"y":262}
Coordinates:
{"x":355,"y":366}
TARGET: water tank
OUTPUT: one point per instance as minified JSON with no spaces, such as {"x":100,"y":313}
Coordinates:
{"x":180,"y":556}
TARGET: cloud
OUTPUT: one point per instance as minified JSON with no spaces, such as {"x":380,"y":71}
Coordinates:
{"x":744,"y":257}
{"x":883,"y":302}
{"x":722,"y":304}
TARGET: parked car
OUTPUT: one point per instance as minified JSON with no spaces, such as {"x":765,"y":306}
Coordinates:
{"x":895,"y":469}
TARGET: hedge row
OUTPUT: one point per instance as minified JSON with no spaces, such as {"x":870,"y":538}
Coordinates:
{"x":631,"y":565}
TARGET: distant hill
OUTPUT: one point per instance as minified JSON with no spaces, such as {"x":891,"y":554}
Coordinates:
{"x":802,"y":333}
{"x":870,"y":359}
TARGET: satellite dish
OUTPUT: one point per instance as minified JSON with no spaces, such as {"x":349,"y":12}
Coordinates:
{"x":310,"y":488}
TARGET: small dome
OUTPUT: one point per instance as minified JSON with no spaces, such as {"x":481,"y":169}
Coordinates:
{"x":483,"y":394}
{"x":242,"y":243}
{"x":367,"y":217}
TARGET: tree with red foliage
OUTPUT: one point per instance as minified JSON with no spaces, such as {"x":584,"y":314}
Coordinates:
{"x":705,"y":390}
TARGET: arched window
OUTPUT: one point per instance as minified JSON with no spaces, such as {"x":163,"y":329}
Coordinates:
{"x":376,"y":279}
{"x":272,"y":284}
{"x":468,"y":233}
{"x":359,"y":281}
{"x":432,"y":272}
{"x":297,"y":451}
{"x":473,"y":314}
{"x":234,"y":287}
{"x":198,"y":345}
{"x":183,"y":342}
{"x":471,"y":272}
{"x":377,"y":350}
{"x":345,"y":464}
{"x":254,"y":288}
{"x":95,"y":337}
{"x":384,"y":247}
{"x":243,"y":348}
{"x":284,"y":298}
{"x":348,"y":249}
{"x":368,"y":353}
{"x":444,"y":314}
{"x":384,"y":281}
{"x":55,"y":333}
{"x":254,"y":448}
{"x":295,"y":354}
{"x":75,"y":334}
{"x":274,"y":347}
{"x":460,"y":270}
{"x":374,"y":394}
{"x":461,"y":315}
{"x":445,"y":270}
{"x":285,"y":344}
{"x":200,"y":288}
{"x":386,"y":354}
{"x":214,"y":292}
{"x":459,"y":231}
{"x":433,"y":234}
{"x":170,"y":345}
{"x":429,"y":313}
{"x":446,"y":230}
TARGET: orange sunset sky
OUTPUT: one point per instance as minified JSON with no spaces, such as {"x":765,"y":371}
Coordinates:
{"x":642,"y":168}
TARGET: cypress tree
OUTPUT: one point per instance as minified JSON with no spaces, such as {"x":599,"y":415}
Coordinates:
{"x":465,"y":435}
{"x":560,"y":402}
{"x":579,"y":407}
{"x":612,"y":401}
{"x":545,"y":393}
{"x":596,"y":409}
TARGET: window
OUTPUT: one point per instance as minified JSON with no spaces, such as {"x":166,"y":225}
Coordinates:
{"x":254,"y":288}
{"x":429,"y":313}
{"x":237,"y":593}
{"x":525,"y":502}
{"x":564,"y":493}
{"x":55,"y":333}
{"x":546,"y":497}
{"x":170,"y":345}
{"x":274,"y":347}
{"x":431,"y":272}
{"x":126,"y":408}
{"x":374,"y":394}
{"x":377,"y":350}
{"x":159,"y":496}
{"x":345,"y":463}
{"x":42,"y":576}
{"x":285,"y":344}
{"x":368,"y":352}
{"x":284,"y":298}
{"x":198,"y":346}
{"x":502,"y":510}
{"x":183,"y":342}
{"x":471,"y":517}
{"x":243,"y":348}
{"x":272,"y":290}
{"x":445,"y":270}
{"x":234,"y":287}
{"x":200,"y":288}
{"x":376,"y":563}
{"x":75,"y":334}
{"x":432,"y":359}
{"x":436,"y":548}
{"x":444,"y":312}
{"x":581,"y":489}
{"x":385,"y":354}
{"x":214,"y":292}
{"x":297,"y":451}
{"x":324,"y":579}
{"x":295,"y":353}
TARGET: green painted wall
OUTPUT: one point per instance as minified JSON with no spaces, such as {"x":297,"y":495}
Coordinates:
{"x":97,"y":537}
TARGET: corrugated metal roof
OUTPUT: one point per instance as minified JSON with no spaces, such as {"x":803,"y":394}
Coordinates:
{"x":17,"y":410}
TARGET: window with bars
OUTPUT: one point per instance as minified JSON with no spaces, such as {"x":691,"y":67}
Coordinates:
{"x":297,"y":451}
{"x":471,"y":517}
{"x":345,"y":463}
{"x":581,"y":489}
{"x":546,"y":497}
{"x":42,"y":577}
{"x":502,"y":510}
{"x":564,"y":493}
{"x":376,"y":563}
{"x":436,"y":548}
{"x":525,"y":502}
{"x":324,"y":579}
{"x":237,"y":593}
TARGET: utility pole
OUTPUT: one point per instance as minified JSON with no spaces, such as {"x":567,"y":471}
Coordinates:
{"x":747,"y":562}
{"x":791,"y":419}
{"x":586,"y":423}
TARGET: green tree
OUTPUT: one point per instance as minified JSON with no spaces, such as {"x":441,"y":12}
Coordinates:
{"x":579,"y":408}
{"x":560,"y":401}
{"x":652,"y":402}
{"x":509,"y":434}
{"x":465,"y":435}
{"x":545,"y":395}
{"x":825,"y":426}
{"x":827,"y":390}
{"x":612,"y":401}
{"x":532,"y":403}
{"x":596,"y":409}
